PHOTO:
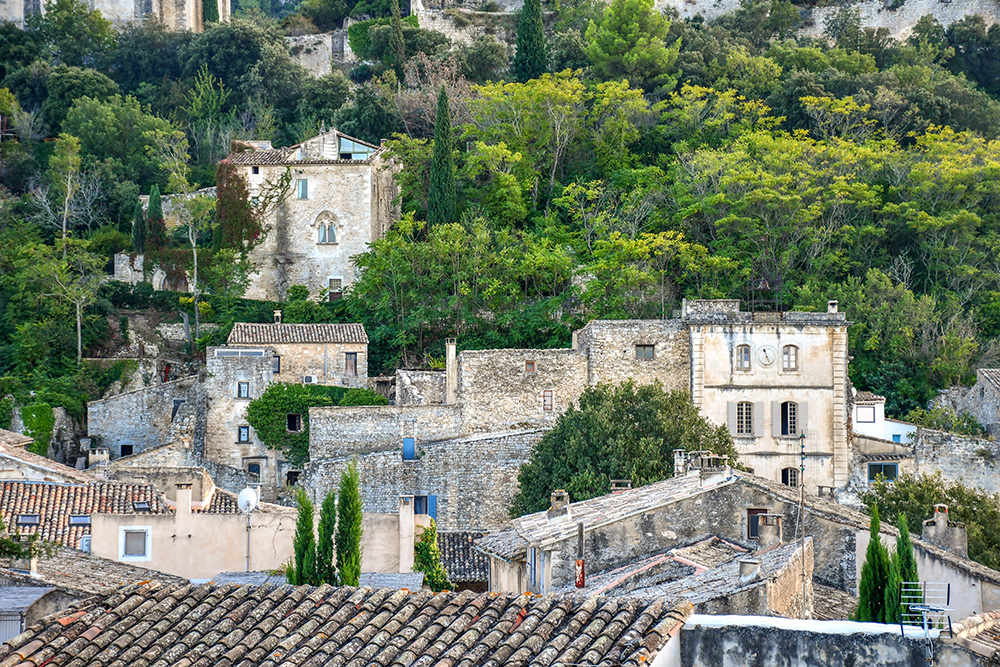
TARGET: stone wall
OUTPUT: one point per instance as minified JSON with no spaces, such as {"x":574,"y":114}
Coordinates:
{"x":610,"y":346}
{"x":900,"y":21}
{"x":325,"y":362}
{"x":319,"y":53}
{"x":344,"y":431}
{"x":507,"y":389}
{"x":128,"y":268}
{"x":176,"y":455}
{"x":474,"y":478}
{"x":462,"y":24}
{"x":982,"y":402}
{"x":419,"y":387}
{"x":972,"y":461}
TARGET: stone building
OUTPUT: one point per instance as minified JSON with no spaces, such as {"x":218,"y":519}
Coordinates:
{"x":175,"y":14}
{"x":983,"y":400}
{"x":343,"y":197}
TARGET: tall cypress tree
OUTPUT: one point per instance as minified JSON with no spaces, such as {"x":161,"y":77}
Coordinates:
{"x":397,"y":45}
{"x":874,"y":577}
{"x":348,"y":536}
{"x":326,"y":570}
{"x":156,"y":227}
{"x":303,"y":571}
{"x":904,"y":548}
{"x":138,"y":229}
{"x":441,"y":206}
{"x":530,"y":60}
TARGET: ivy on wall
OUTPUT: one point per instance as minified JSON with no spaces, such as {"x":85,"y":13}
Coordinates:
{"x":268,"y":414}
{"x":39,"y":422}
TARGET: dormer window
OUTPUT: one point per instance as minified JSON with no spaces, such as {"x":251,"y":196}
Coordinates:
{"x":28,"y":519}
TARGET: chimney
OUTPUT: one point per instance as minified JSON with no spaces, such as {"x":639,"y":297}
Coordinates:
{"x":183,"y":498}
{"x":277,"y":317}
{"x":680,"y":462}
{"x":407,"y":533}
{"x":450,"y":372}
{"x":559,"y":506}
{"x":749,"y":567}
{"x":832,"y":306}
{"x":575,"y":340}
{"x":949,"y":535}
{"x":618,"y":485}
{"x":768,"y":531}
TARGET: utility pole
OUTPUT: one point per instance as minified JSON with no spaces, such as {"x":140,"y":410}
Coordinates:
{"x":802,"y":519}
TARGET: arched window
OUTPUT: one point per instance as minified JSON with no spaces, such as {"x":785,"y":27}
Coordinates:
{"x":331,"y":233}
{"x":326,"y":228}
{"x":790,"y":477}
{"x":322,"y":233}
{"x":789,"y":418}
{"x":743,"y":357}
{"x":744,"y":418}
{"x":789,"y":358}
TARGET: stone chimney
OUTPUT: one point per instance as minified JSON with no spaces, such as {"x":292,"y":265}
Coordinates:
{"x":450,"y":372}
{"x":768,"y":531}
{"x":183,"y":498}
{"x":277,"y":317}
{"x":559,"y":506}
{"x":749,"y":567}
{"x":949,"y":535}
{"x":618,"y":485}
{"x":680,"y":462}
{"x":833,"y":306}
{"x":407,"y":533}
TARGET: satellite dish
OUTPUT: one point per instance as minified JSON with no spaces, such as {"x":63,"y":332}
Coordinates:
{"x":247,"y":500}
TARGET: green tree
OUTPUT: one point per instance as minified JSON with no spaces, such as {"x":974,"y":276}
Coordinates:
{"x":66,"y":85}
{"x":875,"y":575}
{"x":156,"y":226}
{"x":348,"y":536}
{"x":78,"y":36}
{"x":630,"y":43}
{"x":302,"y":572}
{"x":427,"y":559}
{"x":326,"y":570}
{"x":530,"y":55}
{"x":615,"y":432}
{"x":209,"y":11}
{"x":139,"y":229}
{"x":64,"y":170}
{"x":442,"y":202}
{"x":904,"y":549}
{"x":397,"y":44}
{"x":268,"y":415}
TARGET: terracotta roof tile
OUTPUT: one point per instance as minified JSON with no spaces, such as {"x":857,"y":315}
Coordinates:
{"x":462,"y":561}
{"x":13,"y":446}
{"x":250,"y":333}
{"x":868,"y":397}
{"x":991,"y":375}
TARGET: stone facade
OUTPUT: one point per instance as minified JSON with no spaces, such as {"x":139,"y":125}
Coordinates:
{"x":345,"y":431}
{"x":900,"y":21}
{"x":174,"y":456}
{"x":319,"y":53}
{"x":611,"y":350}
{"x":343,"y":197}
{"x":419,"y":387}
{"x":972,"y":461}
{"x":983,"y":400}
{"x":175,"y":14}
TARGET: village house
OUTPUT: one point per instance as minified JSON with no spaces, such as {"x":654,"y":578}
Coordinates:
{"x":343,"y":197}
{"x":983,"y":400}
{"x":17,"y":463}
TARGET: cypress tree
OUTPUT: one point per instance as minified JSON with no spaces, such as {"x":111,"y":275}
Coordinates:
{"x":348,"y":535}
{"x":326,"y":570}
{"x":529,"y":59}
{"x":442,"y":206}
{"x":138,"y":229}
{"x":904,"y":549}
{"x":304,"y":544}
{"x":874,"y":577}
{"x":427,"y":559}
{"x":156,"y":228}
{"x":397,"y":45}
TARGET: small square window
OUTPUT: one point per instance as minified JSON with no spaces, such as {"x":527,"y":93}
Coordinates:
{"x":294,"y":422}
{"x":276,"y":364}
{"x":141,"y":506}
{"x":897,"y":437}
{"x":888,"y":470}
{"x":243,"y":390}
{"x":529,"y":367}
{"x":28,"y":519}
{"x":302,"y":188}
{"x":547,"y":400}
{"x":255,"y":170}
{"x":79,"y":520}
{"x":134,"y":544}
{"x":644,"y":351}
{"x":254,"y":469}
{"x":243,"y":434}
{"x":126,"y":450}
{"x":866,"y":414}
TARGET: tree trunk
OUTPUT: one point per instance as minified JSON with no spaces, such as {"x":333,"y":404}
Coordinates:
{"x":194,"y":282}
{"x":65,"y":217}
{"x":79,"y":329}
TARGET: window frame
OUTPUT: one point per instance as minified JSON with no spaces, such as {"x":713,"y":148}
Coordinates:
{"x":240,"y":430}
{"x":791,"y":475}
{"x":744,"y":419}
{"x":302,"y":187}
{"x":866,"y":408}
{"x":753,"y":527}
{"x":79,"y":519}
{"x":645,"y":347}
{"x":276,"y":364}
{"x":255,"y":170}
{"x":123,"y":531}
{"x":351,"y":364}
{"x":29,"y":519}
{"x":529,"y":366}
{"x":881,"y":465}
{"x":243,"y":389}
{"x":744,"y":364}
{"x":252,"y":464}
{"x":789,"y":419}
{"x":548,"y":400}
{"x":293,"y":418}
{"x":789,"y":358}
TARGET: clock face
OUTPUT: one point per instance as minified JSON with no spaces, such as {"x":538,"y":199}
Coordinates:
{"x":766,"y":355}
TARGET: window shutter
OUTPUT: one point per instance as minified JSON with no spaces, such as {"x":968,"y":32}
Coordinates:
{"x":409,"y":449}
{"x":775,"y":419}
{"x":731,"y":416}
{"x":758,"y":419}
{"x":432,"y":507}
{"x":804,"y":418}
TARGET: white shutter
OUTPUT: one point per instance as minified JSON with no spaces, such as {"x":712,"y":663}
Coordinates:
{"x":758,"y":419}
{"x":804,"y":418}
{"x":731,"y":416}
{"x":775,"y":419}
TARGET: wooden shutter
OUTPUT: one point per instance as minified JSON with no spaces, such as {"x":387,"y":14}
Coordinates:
{"x":803,"y":418}
{"x":758,"y":419}
{"x":731,"y":416}
{"x":775,"y":419}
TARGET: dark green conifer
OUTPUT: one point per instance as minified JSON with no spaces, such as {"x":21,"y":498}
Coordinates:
{"x":530,"y":57}
{"x":874,"y":577}
{"x":326,"y":569}
{"x":442,"y":206}
{"x":397,"y":45}
{"x":156,"y":227}
{"x":303,"y":570}
{"x":138,"y":229}
{"x":348,"y":536}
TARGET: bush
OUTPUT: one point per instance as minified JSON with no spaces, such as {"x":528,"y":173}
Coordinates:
{"x":362,"y":397}
{"x":6,"y":412}
{"x":39,"y":423}
{"x":359,"y":39}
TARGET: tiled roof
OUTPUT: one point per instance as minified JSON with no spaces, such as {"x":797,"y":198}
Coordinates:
{"x":155,"y":624}
{"x":831,"y":604}
{"x":991,"y":375}
{"x":459,"y":557}
{"x":85,"y":574}
{"x":868,"y":397}
{"x":505,"y":544}
{"x":56,"y":503}
{"x":411,"y":581}
{"x":19,"y":598}
{"x":249,"y":333}
{"x":12,"y":447}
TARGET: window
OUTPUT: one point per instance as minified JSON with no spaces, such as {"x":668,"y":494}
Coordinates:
{"x":897,"y":437}
{"x":425,"y":505}
{"x":887,"y":470}
{"x":753,"y":522}
{"x":644,"y":351}
{"x":744,"y":418}
{"x":547,"y":399}
{"x":292,"y":477}
{"x":529,"y":367}
{"x":335,"y":289}
{"x":276,"y":364}
{"x":302,"y":188}
{"x":789,"y":418}
{"x":533,"y":566}
{"x":350,"y":363}
{"x":134,"y":542}
{"x":243,"y":434}
{"x":239,"y":353}
{"x":789,"y":358}
{"x":294,"y":422}
{"x":866,"y":414}
{"x":354,"y":150}
{"x":141,"y":505}
{"x":28,"y":519}
{"x":79,"y":520}
{"x":254,"y":469}
{"x":790,"y":477}
{"x":126,"y":450}
{"x":327,"y":233}
{"x":254,"y":170}
{"x":242,"y":390}
{"x":743,"y":357}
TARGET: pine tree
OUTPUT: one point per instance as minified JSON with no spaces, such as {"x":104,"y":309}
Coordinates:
{"x":138,"y":229}
{"x":156,"y":228}
{"x":326,"y":570}
{"x":904,"y":549}
{"x":427,"y":559}
{"x":348,"y":535}
{"x":397,"y":44}
{"x":874,"y":577}
{"x":441,"y":208}
{"x":529,"y":59}
{"x":303,"y":571}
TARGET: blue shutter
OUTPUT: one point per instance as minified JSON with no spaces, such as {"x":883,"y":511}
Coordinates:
{"x":409,"y":449}
{"x":432,"y":507}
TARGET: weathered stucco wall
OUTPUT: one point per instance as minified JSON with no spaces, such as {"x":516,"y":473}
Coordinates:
{"x":474,"y":478}
{"x":345,"y":431}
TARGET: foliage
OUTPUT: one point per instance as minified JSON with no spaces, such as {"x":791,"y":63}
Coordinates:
{"x":615,"y":432}
{"x":78,"y":36}
{"x":66,"y":85}
{"x":875,"y":576}
{"x":530,"y":57}
{"x":356,"y":396}
{"x":326,"y":570}
{"x":904,"y":565}
{"x":303,"y":571}
{"x":943,"y":418}
{"x":209,"y":11}
{"x":359,"y":39}
{"x":442,"y":204}
{"x":348,"y":535}
{"x":39,"y":423}
{"x":630,"y":43}
{"x":268,"y":415}
{"x":156,"y":226}
{"x":6,"y":412}
{"x":427,"y":559}
{"x":139,"y":229}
